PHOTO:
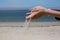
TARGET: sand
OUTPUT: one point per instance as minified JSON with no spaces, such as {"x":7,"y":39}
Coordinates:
{"x":36,"y":31}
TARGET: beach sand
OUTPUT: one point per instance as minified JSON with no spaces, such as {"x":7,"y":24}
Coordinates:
{"x":36,"y":31}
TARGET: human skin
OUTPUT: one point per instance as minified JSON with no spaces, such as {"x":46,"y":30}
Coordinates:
{"x":39,"y":11}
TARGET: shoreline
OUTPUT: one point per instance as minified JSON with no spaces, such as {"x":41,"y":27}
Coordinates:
{"x":32,"y":24}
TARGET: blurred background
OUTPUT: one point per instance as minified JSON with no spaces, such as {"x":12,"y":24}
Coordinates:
{"x":15,"y":10}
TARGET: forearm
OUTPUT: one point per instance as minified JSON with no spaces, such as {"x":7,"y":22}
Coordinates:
{"x":53,"y":13}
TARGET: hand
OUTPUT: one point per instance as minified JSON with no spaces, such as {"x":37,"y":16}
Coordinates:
{"x":36,"y":12}
{"x":34,"y":15}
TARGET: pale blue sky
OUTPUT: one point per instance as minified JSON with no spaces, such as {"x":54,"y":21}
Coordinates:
{"x":17,"y":4}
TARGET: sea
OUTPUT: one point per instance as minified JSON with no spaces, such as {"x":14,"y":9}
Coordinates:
{"x":19,"y":16}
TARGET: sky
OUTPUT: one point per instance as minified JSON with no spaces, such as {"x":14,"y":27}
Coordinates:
{"x":20,"y":4}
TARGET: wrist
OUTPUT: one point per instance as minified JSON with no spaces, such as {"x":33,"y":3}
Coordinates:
{"x":47,"y":11}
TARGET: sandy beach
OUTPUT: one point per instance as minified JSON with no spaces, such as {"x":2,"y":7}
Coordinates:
{"x":36,"y":31}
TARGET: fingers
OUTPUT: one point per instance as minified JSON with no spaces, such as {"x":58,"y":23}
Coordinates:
{"x":32,"y":15}
{"x":27,"y":17}
{"x":35,"y":9}
{"x":27,"y":14}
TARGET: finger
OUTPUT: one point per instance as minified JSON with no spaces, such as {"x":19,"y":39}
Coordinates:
{"x":35,"y":9}
{"x":27,"y":14}
{"x":32,"y":9}
{"x":27,"y":17}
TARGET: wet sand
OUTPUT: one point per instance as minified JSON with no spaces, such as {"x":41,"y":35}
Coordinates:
{"x":36,"y":31}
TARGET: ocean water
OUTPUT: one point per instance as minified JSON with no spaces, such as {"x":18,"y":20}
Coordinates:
{"x":12,"y":15}
{"x":19,"y":15}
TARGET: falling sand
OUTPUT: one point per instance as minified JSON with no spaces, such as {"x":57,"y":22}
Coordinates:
{"x":27,"y":24}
